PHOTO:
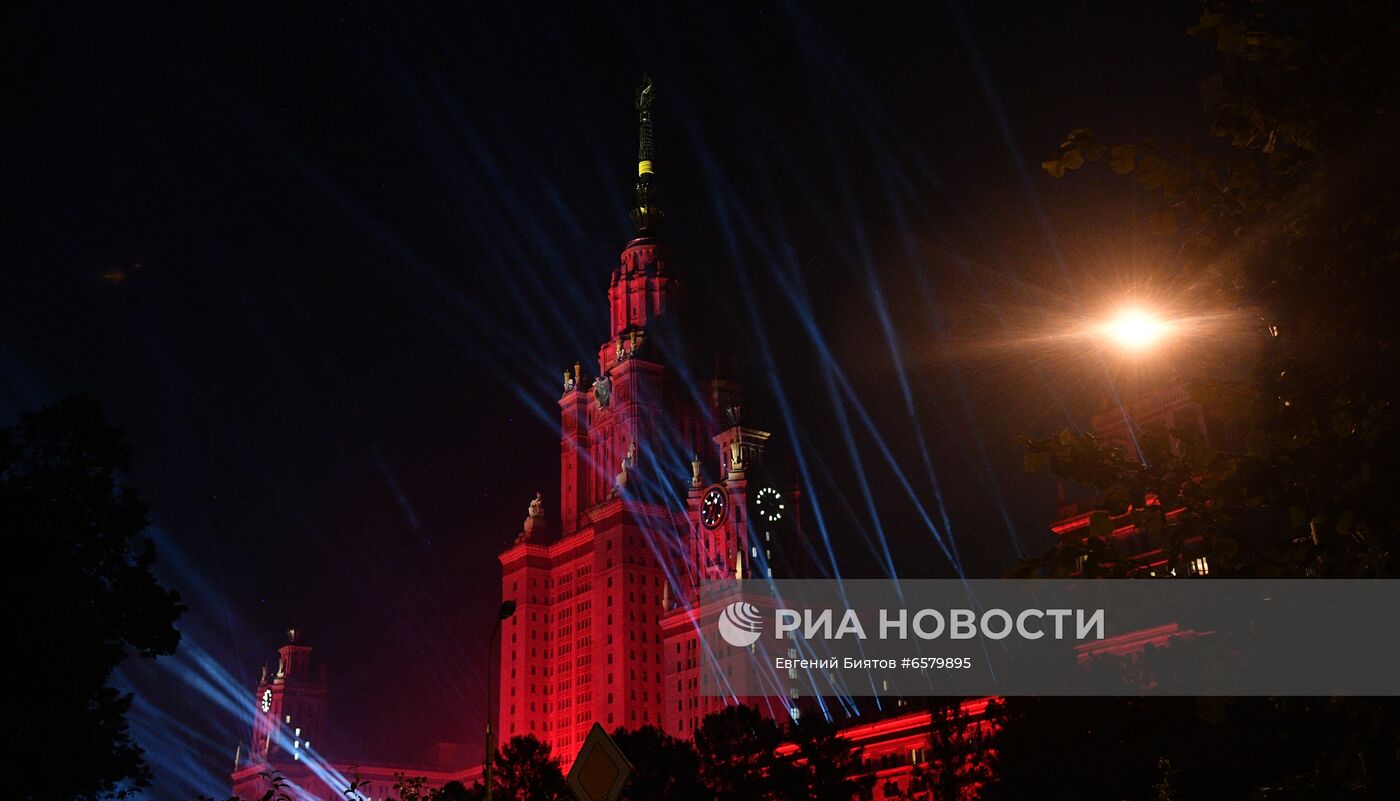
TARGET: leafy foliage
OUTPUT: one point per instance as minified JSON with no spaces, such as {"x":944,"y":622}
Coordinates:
{"x":415,"y":788}
{"x":958,"y":764}
{"x":738,"y":754}
{"x":739,"y":758}
{"x":527,"y":771}
{"x":1295,"y":226}
{"x":91,"y":600}
{"x":664,"y":768}
{"x":1197,"y":748}
{"x":1298,"y":228}
{"x":456,"y":791}
{"x":824,"y":767}
{"x":1089,"y":747}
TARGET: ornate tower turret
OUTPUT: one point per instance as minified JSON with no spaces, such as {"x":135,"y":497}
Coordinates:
{"x":645,"y":286}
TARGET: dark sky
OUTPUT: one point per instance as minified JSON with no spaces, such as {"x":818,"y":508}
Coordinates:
{"x":359,"y":243}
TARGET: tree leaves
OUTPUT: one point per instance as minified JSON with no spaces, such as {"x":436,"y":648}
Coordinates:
{"x":1078,"y":147}
{"x":1122,"y":159}
{"x":1100,"y":525}
{"x":1295,"y":230}
{"x":1151,"y":171}
{"x":63,"y":493}
{"x":526,"y":770}
{"x":664,"y":768}
{"x":1163,"y":221}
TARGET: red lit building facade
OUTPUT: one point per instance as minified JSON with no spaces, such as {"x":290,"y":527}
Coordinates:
{"x":662,"y":486}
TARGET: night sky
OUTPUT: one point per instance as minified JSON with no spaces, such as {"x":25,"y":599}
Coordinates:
{"x":326,"y":266}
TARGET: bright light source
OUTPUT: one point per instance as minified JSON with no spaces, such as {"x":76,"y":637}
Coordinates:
{"x":1135,"y":329}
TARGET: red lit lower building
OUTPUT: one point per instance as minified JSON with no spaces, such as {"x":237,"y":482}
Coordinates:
{"x":289,"y":720}
{"x":1161,"y":410}
{"x":290,"y":702}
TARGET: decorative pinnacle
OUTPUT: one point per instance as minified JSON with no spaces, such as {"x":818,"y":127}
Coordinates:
{"x":646,"y":195}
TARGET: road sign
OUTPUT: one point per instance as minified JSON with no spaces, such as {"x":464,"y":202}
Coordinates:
{"x":600,"y":769}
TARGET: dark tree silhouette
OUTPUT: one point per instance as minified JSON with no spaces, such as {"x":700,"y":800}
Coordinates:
{"x":85,"y":599}
{"x":738,"y":754}
{"x":1086,"y":747}
{"x":957,"y":764}
{"x":527,"y":771}
{"x":824,"y":767}
{"x":1294,"y":231}
{"x":1198,"y":748}
{"x":456,"y":791}
{"x":664,"y":767}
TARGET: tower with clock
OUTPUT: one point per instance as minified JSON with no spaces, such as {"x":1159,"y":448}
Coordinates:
{"x":662,"y":486}
{"x":291,"y":706}
{"x":744,"y":525}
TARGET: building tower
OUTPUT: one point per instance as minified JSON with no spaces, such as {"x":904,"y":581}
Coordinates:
{"x":289,"y":715}
{"x":586,"y":642}
{"x":291,"y":704}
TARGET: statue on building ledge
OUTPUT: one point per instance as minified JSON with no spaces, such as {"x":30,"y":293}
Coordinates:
{"x":573,"y":381}
{"x":602,"y":390}
{"x":628,"y":462}
{"x":534,"y":520}
{"x":629,"y":347}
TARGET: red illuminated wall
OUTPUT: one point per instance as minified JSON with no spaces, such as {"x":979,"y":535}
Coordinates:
{"x":599,"y":632}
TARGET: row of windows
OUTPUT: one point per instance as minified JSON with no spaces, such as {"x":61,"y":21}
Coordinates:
{"x":586,"y":678}
{"x":581,"y":574}
{"x":579,"y":664}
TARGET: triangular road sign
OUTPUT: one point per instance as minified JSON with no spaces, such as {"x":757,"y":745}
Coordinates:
{"x":600,"y":769}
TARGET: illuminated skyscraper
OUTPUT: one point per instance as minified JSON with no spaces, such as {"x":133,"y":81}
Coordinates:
{"x":662,"y":486}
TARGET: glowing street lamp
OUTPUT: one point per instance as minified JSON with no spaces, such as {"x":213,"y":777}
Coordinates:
{"x":1135,"y":329}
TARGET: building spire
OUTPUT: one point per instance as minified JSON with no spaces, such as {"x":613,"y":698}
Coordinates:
{"x":646,"y":197}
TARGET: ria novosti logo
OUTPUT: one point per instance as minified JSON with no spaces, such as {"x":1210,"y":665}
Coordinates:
{"x":741,"y":624}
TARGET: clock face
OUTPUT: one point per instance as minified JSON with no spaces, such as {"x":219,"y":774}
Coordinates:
{"x":769,"y":505}
{"x":713,"y":507}
{"x":267,"y":700}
